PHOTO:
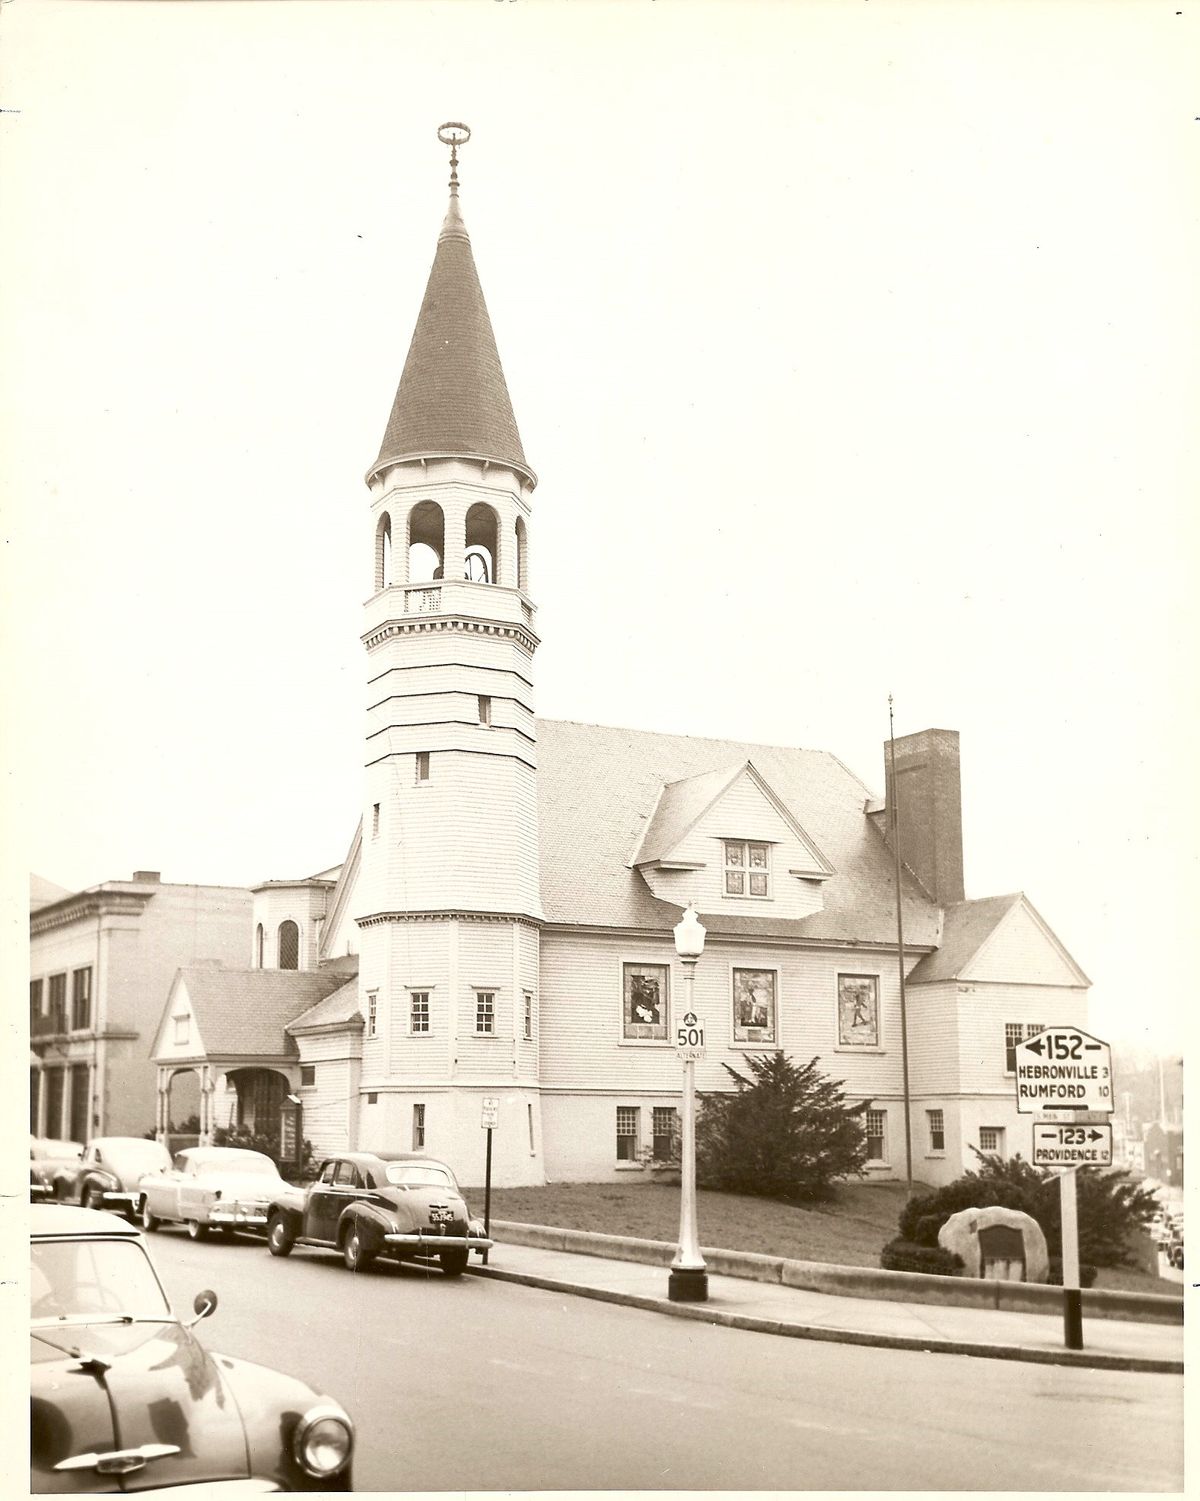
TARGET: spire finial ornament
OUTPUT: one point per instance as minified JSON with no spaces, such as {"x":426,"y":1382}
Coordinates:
{"x":454,"y":134}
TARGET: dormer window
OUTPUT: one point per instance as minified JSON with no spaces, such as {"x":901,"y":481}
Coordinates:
{"x":747,"y":869}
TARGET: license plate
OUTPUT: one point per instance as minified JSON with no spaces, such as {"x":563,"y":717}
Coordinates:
{"x":440,"y":1216}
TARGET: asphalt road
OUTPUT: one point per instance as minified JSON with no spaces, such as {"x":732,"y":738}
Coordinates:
{"x":476,"y":1385}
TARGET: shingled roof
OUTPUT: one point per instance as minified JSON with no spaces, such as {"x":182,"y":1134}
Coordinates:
{"x":244,"y":1011}
{"x":452,"y":397}
{"x":598,"y":786}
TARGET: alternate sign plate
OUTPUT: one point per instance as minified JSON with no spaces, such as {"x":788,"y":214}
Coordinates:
{"x":1063,"y":1068}
{"x":1072,"y":1146}
{"x":689,"y":1039}
{"x":491,"y":1113}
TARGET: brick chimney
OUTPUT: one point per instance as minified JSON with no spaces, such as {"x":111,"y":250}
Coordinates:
{"x":930,"y":810}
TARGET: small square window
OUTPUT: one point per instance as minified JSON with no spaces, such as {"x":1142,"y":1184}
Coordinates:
{"x":747,"y":869}
{"x":372,"y":1099}
{"x":628,"y":1132}
{"x":308,"y":1074}
{"x":418,"y":1137}
{"x":422,"y":766}
{"x":419,"y":1011}
{"x":991,"y":1139}
{"x":485,"y":1012}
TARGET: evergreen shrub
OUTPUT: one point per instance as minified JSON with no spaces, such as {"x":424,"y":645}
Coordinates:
{"x":901,"y":1255}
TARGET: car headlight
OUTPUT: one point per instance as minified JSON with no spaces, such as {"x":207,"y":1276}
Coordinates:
{"x":323,"y":1441}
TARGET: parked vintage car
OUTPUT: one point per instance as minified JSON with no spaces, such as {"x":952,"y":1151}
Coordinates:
{"x":108,"y":1174}
{"x":365,"y":1204}
{"x":124,"y":1396}
{"x":220,"y":1188}
{"x":46,"y":1158}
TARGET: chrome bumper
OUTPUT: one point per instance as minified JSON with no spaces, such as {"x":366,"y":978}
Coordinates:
{"x":218,"y":1488}
{"x":428,"y":1242}
{"x":128,"y":1200}
{"x":233,"y":1214}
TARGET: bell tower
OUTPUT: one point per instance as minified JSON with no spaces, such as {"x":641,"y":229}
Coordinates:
{"x":448,"y":901}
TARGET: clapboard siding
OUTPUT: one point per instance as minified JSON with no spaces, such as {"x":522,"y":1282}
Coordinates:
{"x":743,"y":812}
{"x":983,"y":1011}
{"x":581,"y":1043}
{"x":1021,"y":950}
{"x":933,"y":1035}
{"x":465,"y":839}
{"x":331,"y":1104}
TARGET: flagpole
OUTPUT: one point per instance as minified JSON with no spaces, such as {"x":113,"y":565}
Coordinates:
{"x":895,"y":820}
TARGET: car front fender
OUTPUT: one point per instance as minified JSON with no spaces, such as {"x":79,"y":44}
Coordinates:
{"x":272,"y":1405}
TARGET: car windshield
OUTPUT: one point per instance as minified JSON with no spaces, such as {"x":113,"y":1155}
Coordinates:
{"x":237,"y":1162}
{"x":80,"y":1281}
{"x":416,"y":1174}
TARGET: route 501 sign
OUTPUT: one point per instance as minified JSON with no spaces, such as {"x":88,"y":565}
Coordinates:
{"x":689,"y":1039}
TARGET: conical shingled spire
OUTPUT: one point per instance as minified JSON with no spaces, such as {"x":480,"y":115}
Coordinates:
{"x":452,"y":398}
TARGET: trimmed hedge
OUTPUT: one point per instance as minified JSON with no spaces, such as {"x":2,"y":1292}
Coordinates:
{"x":901,"y":1255}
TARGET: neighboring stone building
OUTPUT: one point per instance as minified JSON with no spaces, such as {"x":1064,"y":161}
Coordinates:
{"x":100,"y":963}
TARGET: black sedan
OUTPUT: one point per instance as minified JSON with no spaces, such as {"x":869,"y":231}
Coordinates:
{"x":124,"y":1397}
{"x":369,"y":1204}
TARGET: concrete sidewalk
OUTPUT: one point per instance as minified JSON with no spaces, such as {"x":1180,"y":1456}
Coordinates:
{"x":801,"y":1314}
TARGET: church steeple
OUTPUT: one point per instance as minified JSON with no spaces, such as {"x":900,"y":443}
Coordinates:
{"x":452,"y":399}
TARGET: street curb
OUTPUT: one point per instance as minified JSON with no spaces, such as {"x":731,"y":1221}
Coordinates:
{"x":851,"y":1281}
{"x":823,"y":1334}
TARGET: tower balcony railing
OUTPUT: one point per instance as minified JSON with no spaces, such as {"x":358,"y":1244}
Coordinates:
{"x":450,"y":597}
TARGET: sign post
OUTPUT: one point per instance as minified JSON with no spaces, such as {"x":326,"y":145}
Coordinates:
{"x":491,"y":1117}
{"x":1065,"y":1076}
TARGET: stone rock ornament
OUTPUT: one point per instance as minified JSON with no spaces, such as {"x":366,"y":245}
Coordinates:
{"x":1002,"y":1244}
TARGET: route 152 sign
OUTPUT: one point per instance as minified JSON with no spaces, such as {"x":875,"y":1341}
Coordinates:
{"x":689,"y":1039}
{"x":1063,"y":1068}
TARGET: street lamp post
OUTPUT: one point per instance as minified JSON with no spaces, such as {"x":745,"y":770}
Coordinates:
{"x":688,"y":1282}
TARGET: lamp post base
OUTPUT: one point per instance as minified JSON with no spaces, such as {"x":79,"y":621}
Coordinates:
{"x":688,"y":1284}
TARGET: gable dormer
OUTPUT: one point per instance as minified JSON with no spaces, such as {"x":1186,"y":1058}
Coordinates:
{"x":726,"y":841}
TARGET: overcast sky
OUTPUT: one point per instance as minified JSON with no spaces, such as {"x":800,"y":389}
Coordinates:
{"x":854,"y":346}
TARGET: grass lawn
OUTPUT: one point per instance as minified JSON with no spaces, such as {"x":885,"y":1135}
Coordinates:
{"x":849,"y":1230}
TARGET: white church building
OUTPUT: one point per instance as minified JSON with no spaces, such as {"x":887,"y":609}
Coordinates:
{"x":501,"y":926}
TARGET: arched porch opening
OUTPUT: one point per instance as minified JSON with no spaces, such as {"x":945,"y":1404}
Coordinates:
{"x":256,"y":1108}
{"x":182,"y":1126}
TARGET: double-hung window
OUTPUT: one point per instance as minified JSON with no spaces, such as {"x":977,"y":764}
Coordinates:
{"x":372,"y":1013}
{"x":665,"y":1122}
{"x":747,"y":869}
{"x":1014,"y":1034}
{"x":485,"y":1013}
{"x":418,"y":1128}
{"x":418,"y":1014}
{"x":628,"y":1132}
{"x":876,"y":1128}
{"x":937,"y":1130}
{"x":528,"y":1001}
{"x":81,"y":999}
